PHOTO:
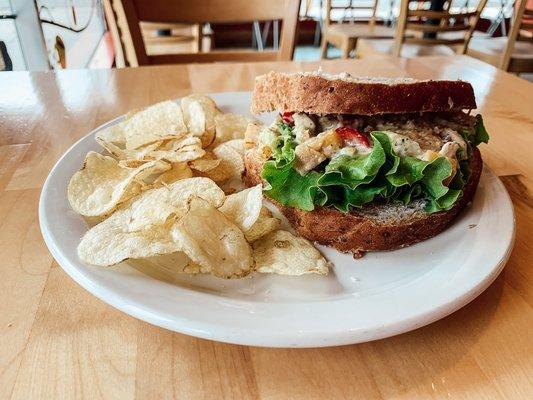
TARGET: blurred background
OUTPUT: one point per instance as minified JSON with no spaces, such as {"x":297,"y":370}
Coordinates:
{"x":59,"y":34}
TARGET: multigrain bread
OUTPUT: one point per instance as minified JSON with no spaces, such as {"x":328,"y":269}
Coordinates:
{"x":371,"y":228}
{"x":376,"y":226}
{"x":319,"y":93}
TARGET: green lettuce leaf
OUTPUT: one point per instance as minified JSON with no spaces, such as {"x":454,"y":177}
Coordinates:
{"x":360,"y":196}
{"x":477,"y":135}
{"x":409,"y":193}
{"x":434,"y":175}
{"x":392,"y":160}
{"x":288,"y":187}
{"x":409,"y":171}
{"x":480,"y":133}
{"x":353,"y":181}
{"x":284,"y":150}
{"x":443,"y":203}
{"x":352,"y":171}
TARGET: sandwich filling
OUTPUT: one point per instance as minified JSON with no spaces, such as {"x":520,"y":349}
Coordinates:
{"x":347,"y":161}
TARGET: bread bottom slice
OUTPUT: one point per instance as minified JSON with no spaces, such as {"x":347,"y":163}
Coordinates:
{"x":375,"y":227}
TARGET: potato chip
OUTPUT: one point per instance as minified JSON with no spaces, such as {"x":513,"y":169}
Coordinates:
{"x":236,"y":144}
{"x":193,"y":268}
{"x":113,"y":134}
{"x":231,"y":164}
{"x":131,"y":163}
{"x":194,"y":116}
{"x":102,"y":184}
{"x":159,"y":121}
{"x":175,"y":173}
{"x":265,"y":224}
{"x":143,"y":228}
{"x":154,"y":207}
{"x":174,"y":150}
{"x":280,"y":252}
{"x":111,"y":241}
{"x":209,"y":105}
{"x":243,"y":208}
{"x":207,"y":138}
{"x":230,"y":158}
{"x":197,"y":108}
{"x":251,"y":136}
{"x":199,"y":113}
{"x":128,"y":154}
{"x":212,"y":241}
{"x":134,"y":189}
{"x":179,"y":150}
{"x":147,"y":176}
{"x":206,"y":163}
{"x":230,"y":126}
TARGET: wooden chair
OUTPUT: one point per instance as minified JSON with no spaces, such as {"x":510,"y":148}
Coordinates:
{"x":345,"y":36}
{"x":112,"y":26}
{"x":216,"y":11}
{"x":118,"y":26}
{"x":513,"y":53}
{"x":182,"y":38}
{"x":452,"y":32}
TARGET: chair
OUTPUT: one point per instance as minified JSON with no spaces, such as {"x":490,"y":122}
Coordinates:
{"x":434,"y":33}
{"x":114,"y":28}
{"x":182,"y":38}
{"x":345,"y":36}
{"x":513,"y":53}
{"x":179,"y":38}
{"x":215,"y":11}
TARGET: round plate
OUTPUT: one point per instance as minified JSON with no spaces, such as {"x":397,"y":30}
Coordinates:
{"x":380,"y":295}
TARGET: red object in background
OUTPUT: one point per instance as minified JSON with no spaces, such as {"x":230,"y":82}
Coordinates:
{"x":352,"y":136}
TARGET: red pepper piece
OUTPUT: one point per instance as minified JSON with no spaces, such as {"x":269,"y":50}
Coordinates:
{"x":287,"y":117}
{"x":352,"y":136}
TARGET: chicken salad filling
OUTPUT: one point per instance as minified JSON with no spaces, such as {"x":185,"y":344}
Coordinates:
{"x":347,"y":161}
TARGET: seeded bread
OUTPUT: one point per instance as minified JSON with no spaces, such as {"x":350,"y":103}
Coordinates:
{"x":319,"y":93}
{"x":371,"y":228}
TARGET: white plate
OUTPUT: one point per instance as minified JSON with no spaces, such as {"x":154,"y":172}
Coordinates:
{"x":380,"y":295}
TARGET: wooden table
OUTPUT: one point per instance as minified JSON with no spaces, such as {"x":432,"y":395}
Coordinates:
{"x":59,"y":342}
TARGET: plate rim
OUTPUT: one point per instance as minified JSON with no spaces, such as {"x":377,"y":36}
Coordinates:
{"x":203,"y":329}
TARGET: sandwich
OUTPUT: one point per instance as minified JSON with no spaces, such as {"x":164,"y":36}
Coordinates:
{"x":365,"y":164}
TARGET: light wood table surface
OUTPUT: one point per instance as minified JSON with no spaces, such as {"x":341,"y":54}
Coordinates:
{"x":59,"y":342}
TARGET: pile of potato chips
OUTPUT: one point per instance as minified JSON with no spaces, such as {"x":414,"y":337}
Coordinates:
{"x":168,"y":185}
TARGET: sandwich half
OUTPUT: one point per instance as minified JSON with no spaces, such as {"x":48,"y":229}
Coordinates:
{"x":365,"y":164}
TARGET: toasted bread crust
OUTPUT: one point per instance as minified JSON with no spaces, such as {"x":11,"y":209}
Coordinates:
{"x":356,"y":232}
{"x":318,"y":94}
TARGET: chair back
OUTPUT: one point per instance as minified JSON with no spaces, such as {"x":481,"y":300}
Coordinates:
{"x":521,"y":28}
{"x":214,"y":11}
{"x":329,"y":7}
{"x":428,"y":27}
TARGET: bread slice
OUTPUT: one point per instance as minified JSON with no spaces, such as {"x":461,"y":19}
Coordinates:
{"x":319,"y":93}
{"x":374,"y":227}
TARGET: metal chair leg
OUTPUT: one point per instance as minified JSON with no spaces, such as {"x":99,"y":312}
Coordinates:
{"x":275,"y":35}
{"x":256,"y":36}
{"x":266,"y":30}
